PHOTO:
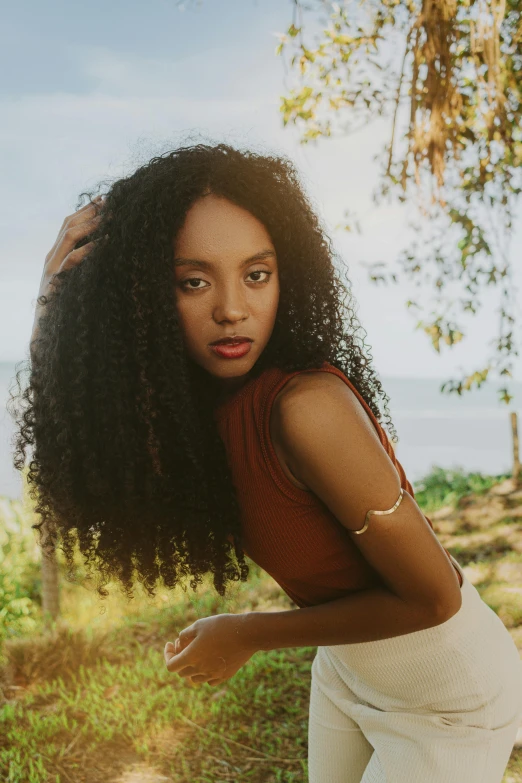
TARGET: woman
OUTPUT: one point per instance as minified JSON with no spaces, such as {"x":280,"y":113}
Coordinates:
{"x":161,"y":452}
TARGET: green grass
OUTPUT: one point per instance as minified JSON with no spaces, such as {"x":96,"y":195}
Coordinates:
{"x":128,"y":705}
{"x":109,"y":694}
{"x":91,"y":700}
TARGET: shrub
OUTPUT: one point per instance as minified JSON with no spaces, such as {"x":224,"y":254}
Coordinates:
{"x":445,"y":487}
{"x":19,"y":571}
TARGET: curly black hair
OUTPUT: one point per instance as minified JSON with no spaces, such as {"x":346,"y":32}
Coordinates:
{"x":128,"y":463}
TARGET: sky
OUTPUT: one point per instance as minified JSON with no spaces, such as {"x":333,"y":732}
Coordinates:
{"x":89,"y":91}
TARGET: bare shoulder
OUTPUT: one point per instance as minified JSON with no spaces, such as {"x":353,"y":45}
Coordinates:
{"x":319,"y":396}
{"x":280,"y":427}
{"x":314,"y":385}
{"x":310,"y":404}
{"x":318,"y":409}
{"x":308,"y":388}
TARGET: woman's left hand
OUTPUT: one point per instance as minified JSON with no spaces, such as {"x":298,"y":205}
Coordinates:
{"x":212,"y":649}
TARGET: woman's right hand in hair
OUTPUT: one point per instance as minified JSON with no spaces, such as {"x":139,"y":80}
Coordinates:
{"x":63,"y":254}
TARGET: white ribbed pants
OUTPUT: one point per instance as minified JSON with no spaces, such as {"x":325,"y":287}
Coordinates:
{"x":440,"y":705}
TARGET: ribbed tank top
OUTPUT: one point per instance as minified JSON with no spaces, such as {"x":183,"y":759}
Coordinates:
{"x":289,"y":532}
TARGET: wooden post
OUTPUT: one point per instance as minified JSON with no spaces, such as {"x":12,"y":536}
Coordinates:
{"x":49,"y":565}
{"x":50,"y":580}
{"x":517,"y":475}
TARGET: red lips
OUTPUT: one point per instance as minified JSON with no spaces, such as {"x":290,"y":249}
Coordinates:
{"x":231,"y":340}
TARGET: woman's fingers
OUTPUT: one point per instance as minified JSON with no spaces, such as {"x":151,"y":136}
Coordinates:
{"x":68,"y":238}
{"x":174,"y":648}
{"x":204,"y":678}
{"x":64,"y":254}
{"x":188,"y":671}
{"x":87,"y":211}
{"x":90,"y":206}
{"x":76,"y":255}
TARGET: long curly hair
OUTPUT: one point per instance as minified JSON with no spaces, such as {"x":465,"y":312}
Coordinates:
{"x":128,"y":463}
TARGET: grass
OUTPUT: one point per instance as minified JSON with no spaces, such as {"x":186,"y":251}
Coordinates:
{"x":91,"y":700}
{"x":89,"y":703}
{"x":87,"y":726}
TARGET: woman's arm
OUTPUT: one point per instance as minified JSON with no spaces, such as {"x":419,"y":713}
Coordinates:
{"x":230,"y":640}
{"x":332,"y":447}
{"x":365,"y":616}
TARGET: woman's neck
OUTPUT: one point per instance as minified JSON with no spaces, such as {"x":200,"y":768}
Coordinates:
{"x":227,"y":387}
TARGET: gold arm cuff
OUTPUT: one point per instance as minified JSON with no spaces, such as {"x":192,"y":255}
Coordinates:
{"x":388,"y":511}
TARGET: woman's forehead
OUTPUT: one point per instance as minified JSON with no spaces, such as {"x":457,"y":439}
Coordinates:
{"x":214,"y":228}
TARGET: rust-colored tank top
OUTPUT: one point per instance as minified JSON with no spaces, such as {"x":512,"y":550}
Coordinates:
{"x":289,"y":531}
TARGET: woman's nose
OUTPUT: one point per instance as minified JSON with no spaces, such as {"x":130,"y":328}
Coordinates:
{"x":232,"y":306}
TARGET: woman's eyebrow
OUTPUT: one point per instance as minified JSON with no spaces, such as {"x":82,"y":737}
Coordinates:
{"x":208,"y":264}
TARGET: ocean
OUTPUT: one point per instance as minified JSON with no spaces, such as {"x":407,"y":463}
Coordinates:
{"x":471,"y":432}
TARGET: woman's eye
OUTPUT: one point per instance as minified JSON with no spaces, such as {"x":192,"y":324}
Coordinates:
{"x":261,"y":272}
{"x":184,"y":283}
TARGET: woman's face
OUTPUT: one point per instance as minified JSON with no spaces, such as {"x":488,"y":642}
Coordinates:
{"x":221,"y":290}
